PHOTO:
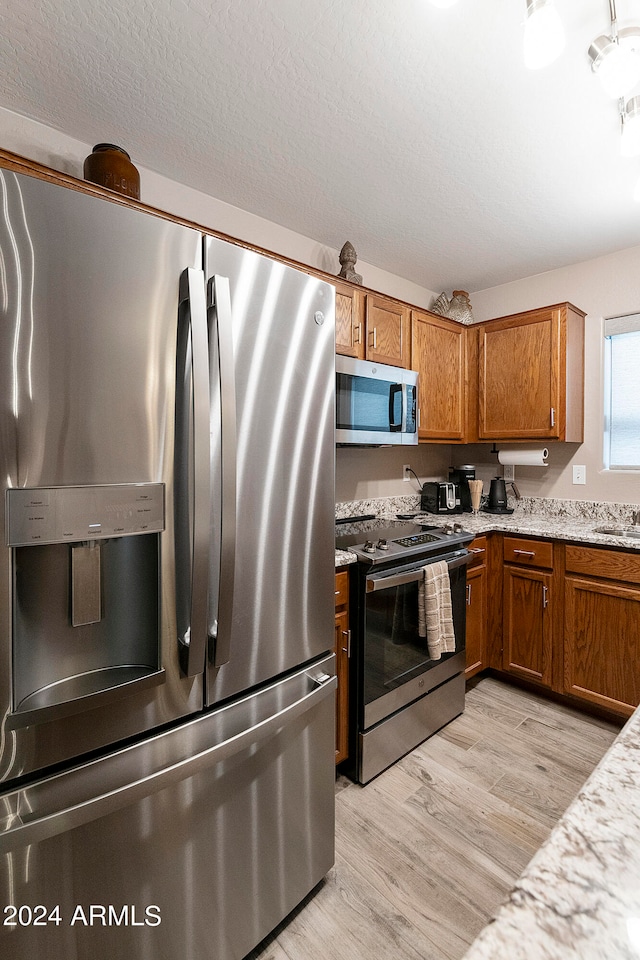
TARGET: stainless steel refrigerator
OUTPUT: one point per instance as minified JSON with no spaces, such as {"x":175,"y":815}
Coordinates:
{"x":166,"y":584}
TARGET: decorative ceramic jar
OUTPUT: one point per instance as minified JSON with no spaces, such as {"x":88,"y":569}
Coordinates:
{"x":111,"y":167}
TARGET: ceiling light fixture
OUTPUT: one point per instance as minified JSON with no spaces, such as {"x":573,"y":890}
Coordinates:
{"x":615,"y":58}
{"x":543,"y":34}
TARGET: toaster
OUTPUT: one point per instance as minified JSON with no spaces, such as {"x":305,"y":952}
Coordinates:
{"x":440,"y":497}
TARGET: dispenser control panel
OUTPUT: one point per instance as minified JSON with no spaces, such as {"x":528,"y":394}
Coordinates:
{"x":67,"y":514}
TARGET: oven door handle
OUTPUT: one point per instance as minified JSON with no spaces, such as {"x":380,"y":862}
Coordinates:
{"x":383,"y":582}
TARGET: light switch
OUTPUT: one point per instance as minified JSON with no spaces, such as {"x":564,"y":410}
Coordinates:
{"x":579,"y":473}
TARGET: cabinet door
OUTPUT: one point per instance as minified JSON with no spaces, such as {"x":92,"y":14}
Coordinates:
{"x":342,"y":695}
{"x":349,"y":321}
{"x":527,"y":624}
{"x":519,"y":372}
{"x":438,"y":355}
{"x":602,"y":643}
{"x":476,"y":620}
{"x":388,"y":332}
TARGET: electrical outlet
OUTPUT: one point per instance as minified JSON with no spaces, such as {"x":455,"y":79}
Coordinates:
{"x":406,"y":475}
{"x":508,"y":473}
{"x":579,"y":473}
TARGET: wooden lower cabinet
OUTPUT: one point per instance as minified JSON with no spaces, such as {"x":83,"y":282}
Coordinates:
{"x":602,"y":627}
{"x":342,"y":651}
{"x":527,"y":624}
{"x":568,"y":618}
{"x":476,"y":636}
{"x":527,"y":631}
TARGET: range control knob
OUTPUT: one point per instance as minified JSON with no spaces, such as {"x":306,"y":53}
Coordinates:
{"x":369,"y":546}
{"x":383,"y":544}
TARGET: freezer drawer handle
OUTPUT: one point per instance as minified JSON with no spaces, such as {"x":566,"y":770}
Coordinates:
{"x":23,"y":832}
{"x":191,"y":490}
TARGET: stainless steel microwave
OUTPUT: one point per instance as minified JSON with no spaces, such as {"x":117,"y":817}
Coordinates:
{"x":375,"y":404}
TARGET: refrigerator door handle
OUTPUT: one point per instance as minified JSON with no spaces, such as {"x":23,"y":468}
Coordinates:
{"x":220,"y":326}
{"x":192,"y":472}
{"x":28,"y":828}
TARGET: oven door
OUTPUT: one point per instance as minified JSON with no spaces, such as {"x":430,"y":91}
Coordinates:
{"x":397,"y":668}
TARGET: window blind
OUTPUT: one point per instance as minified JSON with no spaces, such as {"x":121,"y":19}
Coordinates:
{"x":622,"y":436}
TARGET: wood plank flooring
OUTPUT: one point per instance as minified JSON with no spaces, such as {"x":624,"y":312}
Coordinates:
{"x":427,"y":851}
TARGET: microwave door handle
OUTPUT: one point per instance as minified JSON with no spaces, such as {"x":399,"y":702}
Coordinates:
{"x":220,"y":320}
{"x":191,"y":473}
{"x":394,"y":390}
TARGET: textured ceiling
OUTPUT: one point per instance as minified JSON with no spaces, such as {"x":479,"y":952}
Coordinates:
{"x":415,"y":132}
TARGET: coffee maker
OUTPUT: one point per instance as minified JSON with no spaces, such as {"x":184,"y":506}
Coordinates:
{"x":460,"y":476}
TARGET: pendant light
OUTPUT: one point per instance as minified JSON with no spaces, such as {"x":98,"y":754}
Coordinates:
{"x":543,"y":34}
{"x":615,"y":58}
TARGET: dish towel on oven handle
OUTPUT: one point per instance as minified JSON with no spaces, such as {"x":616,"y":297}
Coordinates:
{"x":435,"y":619}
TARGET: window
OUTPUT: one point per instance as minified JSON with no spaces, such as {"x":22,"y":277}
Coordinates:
{"x":622,"y":393}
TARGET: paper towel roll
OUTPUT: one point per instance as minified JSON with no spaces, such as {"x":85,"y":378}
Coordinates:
{"x":524,"y":458}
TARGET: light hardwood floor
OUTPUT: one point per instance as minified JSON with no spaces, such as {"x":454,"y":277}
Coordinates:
{"x":427,"y":851}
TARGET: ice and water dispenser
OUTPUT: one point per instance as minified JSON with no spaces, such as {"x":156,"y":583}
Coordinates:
{"x":86,"y":596}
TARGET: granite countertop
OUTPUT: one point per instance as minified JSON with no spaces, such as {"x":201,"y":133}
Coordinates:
{"x":573,"y":520}
{"x":579,"y":897}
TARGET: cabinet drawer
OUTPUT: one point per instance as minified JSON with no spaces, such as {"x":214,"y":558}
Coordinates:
{"x":528,"y":553}
{"x":478,"y":548}
{"x":604,"y":564}
{"x":342,"y":588}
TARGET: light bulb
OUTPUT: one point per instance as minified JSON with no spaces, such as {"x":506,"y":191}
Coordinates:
{"x":619,"y":70}
{"x":543,"y":34}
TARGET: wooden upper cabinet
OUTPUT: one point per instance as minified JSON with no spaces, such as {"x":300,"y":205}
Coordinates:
{"x":438,"y":355}
{"x":531,"y":375}
{"x":349,"y":321}
{"x":369,"y":327}
{"x":388,"y":331}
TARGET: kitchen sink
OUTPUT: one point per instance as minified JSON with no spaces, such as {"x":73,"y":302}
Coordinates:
{"x":619,"y":531}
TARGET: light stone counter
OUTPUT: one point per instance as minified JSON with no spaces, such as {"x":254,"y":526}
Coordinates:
{"x":579,"y":898}
{"x":344,"y":558}
{"x":573,"y":520}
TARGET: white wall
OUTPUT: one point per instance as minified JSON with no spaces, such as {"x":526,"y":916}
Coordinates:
{"x":605,"y":287}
